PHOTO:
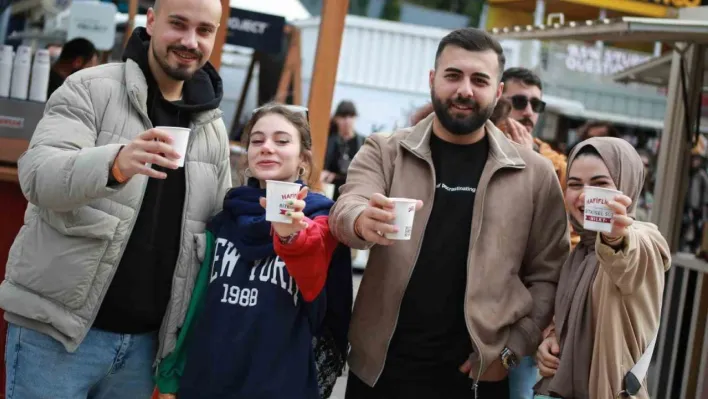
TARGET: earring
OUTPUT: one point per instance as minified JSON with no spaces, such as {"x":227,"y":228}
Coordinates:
{"x":301,"y":171}
{"x":247,"y":172}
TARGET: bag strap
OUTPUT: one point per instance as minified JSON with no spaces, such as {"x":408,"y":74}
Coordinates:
{"x":632,"y":381}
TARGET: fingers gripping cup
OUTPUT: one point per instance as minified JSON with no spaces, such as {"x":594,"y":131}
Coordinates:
{"x":404,"y":209}
{"x":278,"y":193}
{"x":598,"y":216}
{"x":180,"y":139}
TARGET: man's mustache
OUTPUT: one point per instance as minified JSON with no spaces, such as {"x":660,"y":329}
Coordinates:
{"x":527,"y":121}
{"x":184,"y":49}
{"x":465,"y":102}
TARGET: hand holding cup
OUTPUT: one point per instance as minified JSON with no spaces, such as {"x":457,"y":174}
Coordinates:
{"x":606,"y":212}
{"x":294,"y":212}
{"x":376,"y":221}
{"x":153,"y":146}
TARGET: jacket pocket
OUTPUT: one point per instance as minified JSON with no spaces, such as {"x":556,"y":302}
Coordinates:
{"x":57,"y":255}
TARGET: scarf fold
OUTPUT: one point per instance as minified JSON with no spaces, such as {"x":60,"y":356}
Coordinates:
{"x":573,"y":307}
{"x":246,"y":217}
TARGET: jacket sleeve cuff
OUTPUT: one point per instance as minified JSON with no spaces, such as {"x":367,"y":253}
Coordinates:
{"x":93,"y":167}
{"x":524,"y":338}
{"x":347,"y":223}
{"x":168,"y":384}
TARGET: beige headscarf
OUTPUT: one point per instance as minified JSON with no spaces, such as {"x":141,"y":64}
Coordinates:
{"x":573,"y":304}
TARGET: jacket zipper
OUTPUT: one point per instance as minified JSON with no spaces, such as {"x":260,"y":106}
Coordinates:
{"x":420,"y":244}
{"x":475,"y":385}
{"x":162,"y":334}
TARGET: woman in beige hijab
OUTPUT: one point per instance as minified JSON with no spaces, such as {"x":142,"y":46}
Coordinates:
{"x":608,"y":302}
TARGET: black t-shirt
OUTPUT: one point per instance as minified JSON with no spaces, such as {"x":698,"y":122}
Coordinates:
{"x":431,"y":339}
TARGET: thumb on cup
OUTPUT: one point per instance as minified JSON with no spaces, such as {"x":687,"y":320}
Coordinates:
{"x":263,"y":202}
{"x":418,"y":205}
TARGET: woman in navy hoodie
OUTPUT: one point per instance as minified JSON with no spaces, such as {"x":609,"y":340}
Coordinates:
{"x":269,"y":313}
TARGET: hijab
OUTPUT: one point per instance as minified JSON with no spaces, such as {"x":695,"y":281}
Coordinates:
{"x":573,"y":307}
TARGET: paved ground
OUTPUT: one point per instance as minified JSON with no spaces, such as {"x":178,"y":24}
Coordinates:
{"x":340,"y":388}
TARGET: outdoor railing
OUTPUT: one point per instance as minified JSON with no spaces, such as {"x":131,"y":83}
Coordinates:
{"x":680,"y":362}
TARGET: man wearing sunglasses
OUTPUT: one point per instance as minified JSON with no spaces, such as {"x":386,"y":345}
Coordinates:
{"x":523,"y":89}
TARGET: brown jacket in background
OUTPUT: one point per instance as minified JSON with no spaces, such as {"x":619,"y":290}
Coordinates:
{"x":518,"y":244}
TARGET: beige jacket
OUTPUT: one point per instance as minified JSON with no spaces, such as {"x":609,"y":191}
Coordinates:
{"x":518,"y":243}
{"x":76,"y":226}
{"x":626,"y":300}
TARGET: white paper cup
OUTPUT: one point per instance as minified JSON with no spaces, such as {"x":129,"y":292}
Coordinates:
{"x":598,"y":216}
{"x":404,"y":208}
{"x":278,"y":193}
{"x":180,"y":139}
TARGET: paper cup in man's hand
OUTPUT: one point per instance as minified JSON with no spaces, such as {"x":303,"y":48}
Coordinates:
{"x":180,"y":139}
{"x":404,"y":209}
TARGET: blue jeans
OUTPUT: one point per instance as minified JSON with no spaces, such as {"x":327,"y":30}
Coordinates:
{"x":105,"y":366}
{"x":523,"y":378}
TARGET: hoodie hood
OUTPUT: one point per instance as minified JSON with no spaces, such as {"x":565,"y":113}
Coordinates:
{"x":203,"y":92}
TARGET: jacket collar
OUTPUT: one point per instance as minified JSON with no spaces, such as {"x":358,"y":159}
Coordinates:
{"x":138,"y":89}
{"x":500,"y":147}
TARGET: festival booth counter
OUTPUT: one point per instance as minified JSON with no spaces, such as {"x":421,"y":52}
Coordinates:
{"x":680,"y":364}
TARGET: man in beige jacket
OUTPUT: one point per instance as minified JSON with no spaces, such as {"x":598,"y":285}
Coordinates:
{"x":468,"y":294}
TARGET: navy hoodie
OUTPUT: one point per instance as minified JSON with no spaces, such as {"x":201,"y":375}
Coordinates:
{"x":254,"y":337}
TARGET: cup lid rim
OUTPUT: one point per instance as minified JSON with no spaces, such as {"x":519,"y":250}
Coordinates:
{"x":173,"y":128}
{"x":602,"y":189}
{"x":284,"y":182}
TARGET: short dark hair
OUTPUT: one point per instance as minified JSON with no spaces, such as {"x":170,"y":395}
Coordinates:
{"x":611,"y":130}
{"x":345,"y":108}
{"x":472,"y":39}
{"x":523,"y":75}
{"x":76,"y":48}
{"x":501,"y":111}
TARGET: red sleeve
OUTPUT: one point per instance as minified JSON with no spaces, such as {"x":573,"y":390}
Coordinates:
{"x":307,"y":257}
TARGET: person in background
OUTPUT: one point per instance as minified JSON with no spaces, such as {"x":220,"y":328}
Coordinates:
{"x":99,"y":275}
{"x":266,"y":290}
{"x":342,"y":146}
{"x":608,"y":305}
{"x":696,"y":203}
{"x":523,"y":88}
{"x":595,"y":129}
{"x":421,"y":113}
{"x":646,"y":197}
{"x":447,"y":313}
{"x":76,"y":54}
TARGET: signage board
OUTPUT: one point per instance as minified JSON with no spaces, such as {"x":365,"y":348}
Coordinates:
{"x":261,"y":32}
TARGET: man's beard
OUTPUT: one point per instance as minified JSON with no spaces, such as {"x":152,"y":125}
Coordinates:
{"x":461,"y":126}
{"x":177,"y":73}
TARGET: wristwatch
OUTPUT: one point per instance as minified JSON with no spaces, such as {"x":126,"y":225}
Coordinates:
{"x":508,"y":359}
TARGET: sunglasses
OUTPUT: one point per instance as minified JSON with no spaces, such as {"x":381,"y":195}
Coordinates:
{"x":520,"y":102}
{"x":297,"y":109}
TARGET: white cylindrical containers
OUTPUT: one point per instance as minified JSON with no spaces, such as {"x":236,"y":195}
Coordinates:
{"x":40,"y":76}
{"x":21,"y":73}
{"x":6,"y":56}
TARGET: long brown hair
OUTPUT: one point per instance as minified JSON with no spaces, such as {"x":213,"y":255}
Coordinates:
{"x":295,"y":118}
